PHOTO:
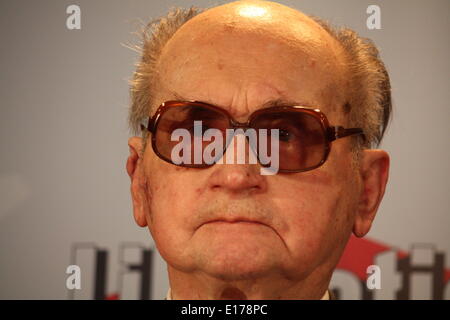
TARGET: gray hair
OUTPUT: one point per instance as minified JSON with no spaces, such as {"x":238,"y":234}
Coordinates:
{"x":369,"y":104}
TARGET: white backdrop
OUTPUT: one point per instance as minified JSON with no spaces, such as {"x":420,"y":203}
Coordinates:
{"x":64,"y":98}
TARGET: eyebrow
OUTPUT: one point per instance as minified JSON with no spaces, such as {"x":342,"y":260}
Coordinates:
{"x":281,"y":102}
{"x":278,"y":102}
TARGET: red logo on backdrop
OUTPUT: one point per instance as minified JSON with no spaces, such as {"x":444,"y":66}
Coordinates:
{"x":422,"y":261}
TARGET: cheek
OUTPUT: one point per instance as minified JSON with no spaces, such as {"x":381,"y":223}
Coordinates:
{"x":310,"y":215}
{"x":171,"y":199}
{"x":317,"y":208}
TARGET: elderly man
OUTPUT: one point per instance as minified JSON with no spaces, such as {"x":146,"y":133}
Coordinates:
{"x":226,"y":230}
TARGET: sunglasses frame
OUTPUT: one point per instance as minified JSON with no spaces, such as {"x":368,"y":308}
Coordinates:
{"x":331,"y":132}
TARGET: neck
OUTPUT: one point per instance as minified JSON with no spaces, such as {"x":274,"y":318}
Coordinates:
{"x":200,"y":286}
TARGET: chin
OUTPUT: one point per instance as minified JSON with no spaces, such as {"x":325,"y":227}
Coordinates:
{"x":231,"y":265}
{"x":237,"y":273}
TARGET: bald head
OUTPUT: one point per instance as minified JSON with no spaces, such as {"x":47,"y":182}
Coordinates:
{"x":260,"y":16}
{"x":242,"y":54}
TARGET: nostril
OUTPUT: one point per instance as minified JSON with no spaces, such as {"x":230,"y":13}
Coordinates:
{"x":215,"y":186}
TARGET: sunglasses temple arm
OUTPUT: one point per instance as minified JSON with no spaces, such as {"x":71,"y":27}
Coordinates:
{"x":146,"y":124}
{"x":341,"y":132}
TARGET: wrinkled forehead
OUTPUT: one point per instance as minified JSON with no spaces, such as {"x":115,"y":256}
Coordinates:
{"x":240,"y":63}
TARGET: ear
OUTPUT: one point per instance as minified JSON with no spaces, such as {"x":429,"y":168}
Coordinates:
{"x":138,"y":181}
{"x":374,"y":171}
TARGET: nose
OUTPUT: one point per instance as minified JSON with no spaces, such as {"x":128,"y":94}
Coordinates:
{"x":237,"y":177}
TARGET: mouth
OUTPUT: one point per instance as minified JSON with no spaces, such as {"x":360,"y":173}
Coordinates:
{"x":234,"y":221}
{"x":240,"y":221}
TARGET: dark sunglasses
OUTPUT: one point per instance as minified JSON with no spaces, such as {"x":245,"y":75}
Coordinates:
{"x":305,"y":135}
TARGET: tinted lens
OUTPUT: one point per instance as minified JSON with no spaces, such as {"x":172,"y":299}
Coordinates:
{"x":183,"y":131}
{"x":302,"y":140}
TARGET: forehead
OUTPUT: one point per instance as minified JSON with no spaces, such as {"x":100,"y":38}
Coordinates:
{"x":242,"y":64}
